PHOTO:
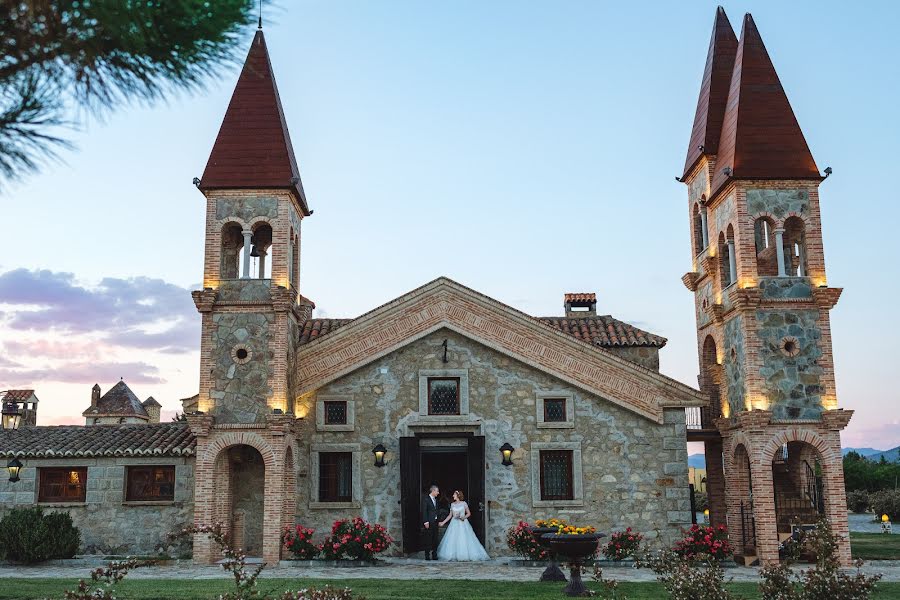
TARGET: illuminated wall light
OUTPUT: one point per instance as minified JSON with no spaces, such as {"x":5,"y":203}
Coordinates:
{"x":829,"y":402}
{"x":758,"y":402}
{"x":726,"y":410}
{"x":748,"y":283}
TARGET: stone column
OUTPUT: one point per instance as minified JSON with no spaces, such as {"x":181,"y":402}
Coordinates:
{"x":262,"y":264}
{"x":732,"y":262}
{"x":779,"y":251}
{"x":247,"y":245}
{"x":801,"y":267}
{"x":704,"y":230}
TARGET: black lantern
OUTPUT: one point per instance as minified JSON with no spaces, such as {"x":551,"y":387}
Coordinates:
{"x":379,"y":451}
{"x":14,"y":466}
{"x":506,"y":451}
{"x":11,"y":415}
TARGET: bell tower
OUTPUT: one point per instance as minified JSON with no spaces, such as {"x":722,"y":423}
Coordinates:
{"x":251,"y":311}
{"x":762,"y":302}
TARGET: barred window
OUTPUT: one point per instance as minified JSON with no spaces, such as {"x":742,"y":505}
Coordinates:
{"x":335,"y":412}
{"x":443,"y":395}
{"x":150,"y":484}
{"x":556,"y":474}
{"x":66,"y":484}
{"x":554,"y":410}
{"x":335,"y":476}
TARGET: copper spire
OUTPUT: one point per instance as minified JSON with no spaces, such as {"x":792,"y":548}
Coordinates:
{"x":253,"y":148}
{"x":761,"y":138}
{"x":713,"y":92}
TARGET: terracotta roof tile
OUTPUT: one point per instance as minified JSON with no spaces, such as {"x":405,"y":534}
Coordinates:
{"x":253,"y":148}
{"x":316,"y":328}
{"x":604,"y":331}
{"x":583,"y":297}
{"x":16,"y":395}
{"x":713,"y":92}
{"x":761,"y":138}
{"x":163,"y":439}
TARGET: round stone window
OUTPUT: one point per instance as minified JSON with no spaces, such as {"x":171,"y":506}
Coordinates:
{"x":789,"y":346}
{"x":241,"y":354}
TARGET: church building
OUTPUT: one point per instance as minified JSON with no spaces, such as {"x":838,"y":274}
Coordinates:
{"x":308,"y":420}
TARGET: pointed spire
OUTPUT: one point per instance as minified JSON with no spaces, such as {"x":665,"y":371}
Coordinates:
{"x":253,"y":148}
{"x":713,"y":91}
{"x":761,"y":138}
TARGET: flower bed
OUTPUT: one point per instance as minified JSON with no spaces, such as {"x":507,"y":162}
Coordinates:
{"x":355,"y":539}
{"x":623,"y":545}
{"x":298,"y":541}
{"x":520,"y":540}
{"x":704,"y":541}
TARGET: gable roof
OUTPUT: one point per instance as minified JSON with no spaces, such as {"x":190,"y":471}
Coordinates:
{"x":118,"y":401}
{"x":253,"y":148}
{"x":713,"y":92}
{"x":18,"y":396}
{"x":761,"y":138}
{"x":445,"y":304}
{"x":158,"y":439}
{"x":603,"y":331}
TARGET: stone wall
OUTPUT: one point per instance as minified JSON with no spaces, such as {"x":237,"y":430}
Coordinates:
{"x":791,"y":375}
{"x":644,"y":356}
{"x":634,"y":469}
{"x":778,"y":203}
{"x":734,"y":364}
{"x":241,"y":386}
{"x":108,"y":524}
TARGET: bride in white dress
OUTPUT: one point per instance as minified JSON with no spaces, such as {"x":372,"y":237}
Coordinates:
{"x":460,"y":541}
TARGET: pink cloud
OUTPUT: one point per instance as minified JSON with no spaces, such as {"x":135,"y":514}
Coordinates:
{"x":82,"y":372}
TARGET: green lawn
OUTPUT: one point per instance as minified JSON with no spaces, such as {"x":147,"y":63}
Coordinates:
{"x":875,"y":546}
{"x":373,"y":589}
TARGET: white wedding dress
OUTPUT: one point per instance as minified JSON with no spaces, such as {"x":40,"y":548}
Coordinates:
{"x":460,"y":541}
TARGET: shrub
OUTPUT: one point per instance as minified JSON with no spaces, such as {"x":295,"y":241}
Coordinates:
{"x":326,"y":593}
{"x":356,"y":539}
{"x":298,"y":541}
{"x":622,"y":545}
{"x":28,"y":535}
{"x":825,"y":580}
{"x":858,"y":501}
{"x":698,"y":578}
{"x":520,"y":541}
{"x":886,"y":502}
{"x":701,"y":501}
{"x":704,"y":541}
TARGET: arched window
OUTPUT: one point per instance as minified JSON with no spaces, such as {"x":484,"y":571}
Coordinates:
{"x":795,"y":247}
{"x":232,"y":244}
{"x":697,"y":226}
{"x":260,"y":261}
{"x":727,"y":258}
{"x":766,"y":253}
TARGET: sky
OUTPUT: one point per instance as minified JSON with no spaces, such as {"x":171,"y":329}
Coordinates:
{"x":524,"y":149}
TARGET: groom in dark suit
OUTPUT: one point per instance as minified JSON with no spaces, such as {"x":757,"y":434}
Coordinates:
{"x":430,"y":521}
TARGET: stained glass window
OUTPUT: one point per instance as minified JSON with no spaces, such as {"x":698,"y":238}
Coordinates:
{"x":336,"y":412}
{"x":554,"y":410}
{"x":335,"y":477}
{"x":443,"y":396}
{"x":556,"y":474}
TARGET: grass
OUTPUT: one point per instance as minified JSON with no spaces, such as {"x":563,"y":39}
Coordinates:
{"x":372,"y":589}
{"x":875,"y":546}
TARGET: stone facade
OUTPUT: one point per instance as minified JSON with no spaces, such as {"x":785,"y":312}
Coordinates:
{"x":108,"y":523}
{"x":240,"y":383}
{"x":633,"y":470}
{"x":644,"y":356}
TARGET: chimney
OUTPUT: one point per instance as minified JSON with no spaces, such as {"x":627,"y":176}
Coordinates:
{"x":95,"y":395}
{"x":581,"y":305}
{"x":153,"y":408}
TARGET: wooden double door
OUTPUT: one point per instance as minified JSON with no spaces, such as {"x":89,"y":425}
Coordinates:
{"x":450,"y":461}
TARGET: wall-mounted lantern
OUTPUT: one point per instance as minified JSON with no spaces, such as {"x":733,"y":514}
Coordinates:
{"x":506,"y":451}
{"x":379,"y":451}
{"x":11,"y":415}
{"x":14,"y":466}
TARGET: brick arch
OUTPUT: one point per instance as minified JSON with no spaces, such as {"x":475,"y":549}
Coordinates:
{"x":261,"y":220}
{"x":243,"y":438}
{"x":231,"y":219}
{"x":803,"y":218}
{"x":795,"y":434}
{"x":738,"y":440}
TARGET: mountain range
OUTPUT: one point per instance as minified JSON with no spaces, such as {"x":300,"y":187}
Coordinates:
{"x":698,"y":461}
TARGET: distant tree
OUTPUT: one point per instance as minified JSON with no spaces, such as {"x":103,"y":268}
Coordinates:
{"x":60,"y":59}
{"x":860,"y":473}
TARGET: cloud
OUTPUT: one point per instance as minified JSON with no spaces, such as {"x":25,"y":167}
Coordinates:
{"x":82,"y":373}
{"x":138,"y":312}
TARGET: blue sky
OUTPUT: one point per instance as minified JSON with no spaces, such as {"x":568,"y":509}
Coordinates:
{"x":525,"y":149}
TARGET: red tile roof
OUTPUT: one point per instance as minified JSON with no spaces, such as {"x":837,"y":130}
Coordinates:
{"x":158,"y":439}
{"x":603,"y":331}
{"x":583,"y":297}
{"x":16,"y":395}
{"x":761,"y":138}
{"x":253,"y":148}
{"x":713,"y":92}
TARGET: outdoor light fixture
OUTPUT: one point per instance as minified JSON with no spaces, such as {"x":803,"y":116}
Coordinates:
{"x":11,"y":415}
{"x":14,"y":466}
{"x":828,"y":172}
{"x":379,"y":451}
{"x":506,"y":451}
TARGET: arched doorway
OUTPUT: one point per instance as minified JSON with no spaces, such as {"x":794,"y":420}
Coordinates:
{"x":743,"y":531}
{"x":797,"y":484}
{"x":244,"y":506}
